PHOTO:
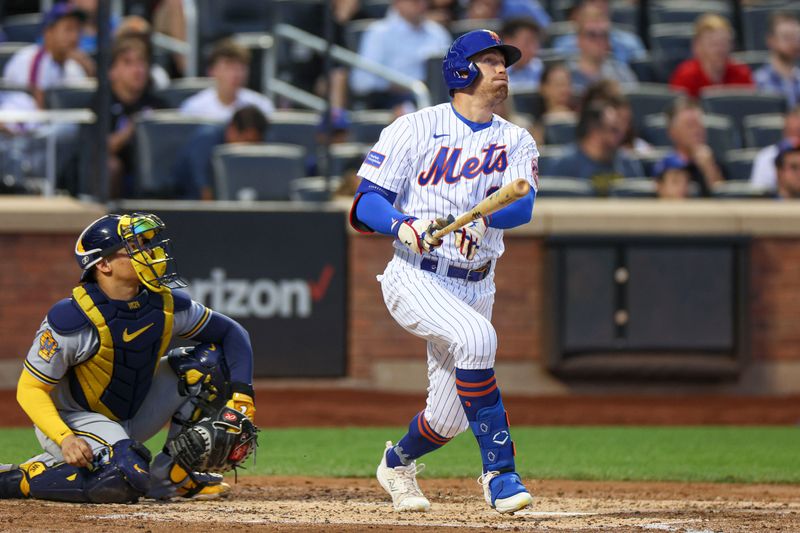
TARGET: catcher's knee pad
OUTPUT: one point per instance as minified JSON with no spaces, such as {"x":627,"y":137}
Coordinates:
{"x":491,"y":429}
{"x":201,"y":371}
{"x":122,"y":476}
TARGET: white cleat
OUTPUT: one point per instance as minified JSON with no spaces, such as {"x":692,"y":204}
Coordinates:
{"x":507,"y":494}
{"x":401,"y":484}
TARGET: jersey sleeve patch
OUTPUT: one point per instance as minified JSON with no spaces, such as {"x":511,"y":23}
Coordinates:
{"x":48,"y":345}
{"x":375,"y":159}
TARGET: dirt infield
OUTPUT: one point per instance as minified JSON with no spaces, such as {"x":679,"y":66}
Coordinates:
{"x":319,"y":504}
{"x":298,"y":407}
{"x":299,"y":504}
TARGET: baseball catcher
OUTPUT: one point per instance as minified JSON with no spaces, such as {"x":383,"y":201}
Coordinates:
{"x":98,"y":381}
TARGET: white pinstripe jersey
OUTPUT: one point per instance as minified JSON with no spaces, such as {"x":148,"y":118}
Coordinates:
{"x":438,"y":165}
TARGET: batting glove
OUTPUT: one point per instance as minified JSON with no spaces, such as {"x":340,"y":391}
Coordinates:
{"x":418,"y":236}
{"x":243,"y":403}
{"x":468,"y":238}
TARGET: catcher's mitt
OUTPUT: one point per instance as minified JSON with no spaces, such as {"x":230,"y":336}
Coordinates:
{"x":217,"y":443}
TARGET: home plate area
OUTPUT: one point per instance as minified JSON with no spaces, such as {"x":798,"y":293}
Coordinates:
{"x":321,"y":504}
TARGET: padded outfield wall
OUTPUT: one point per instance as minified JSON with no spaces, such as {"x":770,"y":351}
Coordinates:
{"x":754,"y":347}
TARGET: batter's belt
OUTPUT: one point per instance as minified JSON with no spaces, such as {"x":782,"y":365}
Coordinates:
{"x":430,"y":264}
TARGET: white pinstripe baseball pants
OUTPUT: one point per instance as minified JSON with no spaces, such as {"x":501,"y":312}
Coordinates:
{"x":454,"y":317}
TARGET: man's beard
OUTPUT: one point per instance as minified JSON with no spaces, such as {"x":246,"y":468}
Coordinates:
{"x":785,"y":58}
{"x":496,"y":94}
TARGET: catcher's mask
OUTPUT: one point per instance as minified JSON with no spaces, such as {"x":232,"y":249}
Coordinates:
{"x":140,"y":235}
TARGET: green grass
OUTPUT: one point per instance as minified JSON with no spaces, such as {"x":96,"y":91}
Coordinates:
{"x":714,"y":454}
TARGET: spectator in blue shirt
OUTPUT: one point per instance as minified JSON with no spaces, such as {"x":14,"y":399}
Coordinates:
{"x":402,"y":41}
{"x":625,"y":46}
{"x":594,"y":62}
{"x":525,"y":34}
{"x":596,"y":155}
{"x":525,"y":9}
{"x":192,"y":174}
{"x":781,"y":74}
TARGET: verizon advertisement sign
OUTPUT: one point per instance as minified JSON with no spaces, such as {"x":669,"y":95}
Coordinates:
{"x":280,"y":275}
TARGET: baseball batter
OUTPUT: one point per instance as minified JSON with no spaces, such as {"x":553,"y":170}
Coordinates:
{"x":96,"y":386}
{"x":427,"y":165}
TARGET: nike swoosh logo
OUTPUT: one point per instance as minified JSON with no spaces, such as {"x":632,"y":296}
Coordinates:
{"x":128,"y":337}
{"x":441,"y":135}
{"x":137,"y":467}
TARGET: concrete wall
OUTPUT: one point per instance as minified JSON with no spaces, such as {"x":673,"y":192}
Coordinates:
{"x":37,"y":268}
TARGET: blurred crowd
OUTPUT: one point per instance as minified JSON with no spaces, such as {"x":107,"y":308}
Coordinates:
{"x":674,"y":109}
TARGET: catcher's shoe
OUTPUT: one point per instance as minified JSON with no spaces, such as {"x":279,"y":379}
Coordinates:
{"x":401,"y":484}
{"x":505,"y":492}
{"x":204,"y":486}
{"x":11,"y":478}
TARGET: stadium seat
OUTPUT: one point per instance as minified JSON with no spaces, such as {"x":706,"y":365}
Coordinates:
{"x":182,"y":88}
{"x":303,"y":14}
{"x":564,"y":187}
{"x":460,"y":27}
{"x":375,"y":8}
{"x":221,"y":19}
{"x":435,"y":82}
{"x":763,"y":130}
{"x":722,"y":136}
{"x":548,"y":155}
{"x":633,"y":188}
{"x":354,"y":30}
{"x":754,"y":59}
{"x":738,"y":103}
{"x":559,"y":129}
{"x":670,"y":44}
{"x":76,"y":95}
{"x":738,"y":190}
{"x":23,"y":28}
{"x":739,"y":163}
{"x":7,"y":50}
{"x":649,"y":99}
{"x":649,"y":160}
{"x":257,"y":171}
{"x":367,"y":125}
{"x":625,"y":13}
{"x":556,"y":30}
{"x":347,"y":156}
{"x":528,"y":102}
{"x":294,"y":127}
{"x":160,"y":136}
{"x":686,"y":11}
{"x":644,"y":69}
{"x":314,"y":189}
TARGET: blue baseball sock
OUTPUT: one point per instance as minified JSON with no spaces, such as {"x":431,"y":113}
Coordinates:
{"x":419,"y":440}
{"x":477,"y":389}
{"x":487,"y":417}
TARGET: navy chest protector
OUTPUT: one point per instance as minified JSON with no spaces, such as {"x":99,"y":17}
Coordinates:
{"x":132,"y":336}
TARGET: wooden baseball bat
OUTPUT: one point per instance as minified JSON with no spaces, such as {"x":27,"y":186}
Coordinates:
{"x":511,"y":192}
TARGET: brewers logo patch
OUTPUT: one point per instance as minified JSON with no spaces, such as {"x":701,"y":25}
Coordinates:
{"x":47,"y":345}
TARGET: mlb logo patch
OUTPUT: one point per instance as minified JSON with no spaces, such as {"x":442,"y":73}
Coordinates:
{"x":375,"y":159}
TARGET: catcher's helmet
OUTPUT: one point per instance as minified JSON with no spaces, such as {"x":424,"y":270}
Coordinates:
{"x":458,"y":69}
{"x":139,"y":235}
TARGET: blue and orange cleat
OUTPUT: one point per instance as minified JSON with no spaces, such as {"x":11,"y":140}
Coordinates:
{"x":505,"y":492}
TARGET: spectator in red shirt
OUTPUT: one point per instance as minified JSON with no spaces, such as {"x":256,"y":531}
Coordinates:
{"x":711,"y":64}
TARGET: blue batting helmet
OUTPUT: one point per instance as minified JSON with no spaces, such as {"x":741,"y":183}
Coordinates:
{"x":139,"y":235}
{"x":458,"y":69}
